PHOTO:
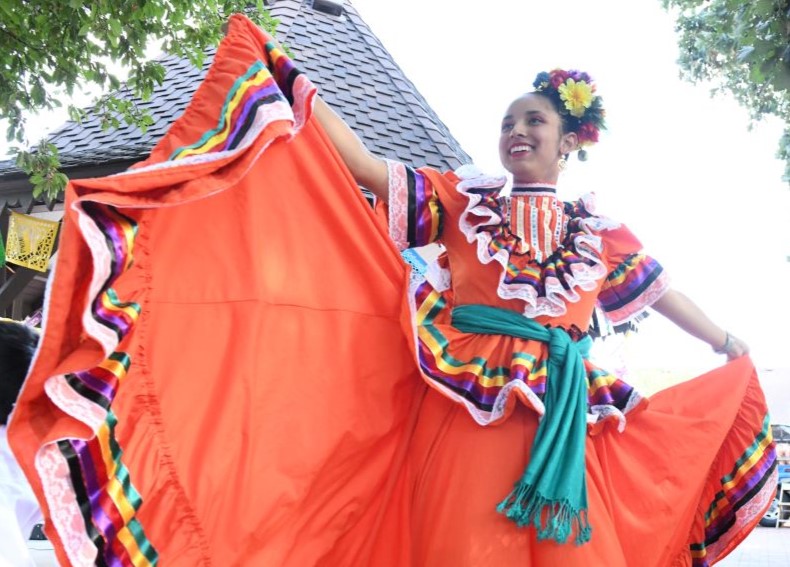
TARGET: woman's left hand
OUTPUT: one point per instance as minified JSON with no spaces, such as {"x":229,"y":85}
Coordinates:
{"x":733,"y":347}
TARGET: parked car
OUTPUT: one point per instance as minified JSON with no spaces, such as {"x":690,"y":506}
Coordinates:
{"x":781,"y":435}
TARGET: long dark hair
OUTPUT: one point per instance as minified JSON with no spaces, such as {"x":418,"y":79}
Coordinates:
{"x":17,"y":345}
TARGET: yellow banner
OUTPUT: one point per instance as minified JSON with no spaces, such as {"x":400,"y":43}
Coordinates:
{"x":30,"y":241}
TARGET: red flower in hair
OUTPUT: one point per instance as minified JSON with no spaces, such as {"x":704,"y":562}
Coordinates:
{"x":587,"y":133}
{"x":558,"y":76}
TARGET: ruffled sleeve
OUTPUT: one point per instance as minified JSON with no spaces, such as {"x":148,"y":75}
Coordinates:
{"x":636,"y":280}
{"x":414,"y":213}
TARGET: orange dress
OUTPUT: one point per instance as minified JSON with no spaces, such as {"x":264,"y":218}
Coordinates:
{"x":230,"y":372}
{"x":673,"y":480}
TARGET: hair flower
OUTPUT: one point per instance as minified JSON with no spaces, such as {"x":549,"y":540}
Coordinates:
{"x":577,"y":96}
{"x":574,"y":96}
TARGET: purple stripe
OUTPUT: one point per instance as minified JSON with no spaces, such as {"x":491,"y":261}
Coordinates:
{"x":423,"y":192}
{"x":96,"y":384}
{"x":265,"y":89}
{"x":479,"y":394}
{"x":635,"y":279}
{"x":756,"y":474}
{"x":106,"y":316}
{"x":282,"y":69}
{"x":116,"y":244}
{"x":715,"y":528}
{"x":100,"y":518}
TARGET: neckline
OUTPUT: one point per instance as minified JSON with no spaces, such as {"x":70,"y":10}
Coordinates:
{"x":532,"y":188}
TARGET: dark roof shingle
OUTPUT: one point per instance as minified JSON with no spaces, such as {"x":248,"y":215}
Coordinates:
{"x":353,"y":72}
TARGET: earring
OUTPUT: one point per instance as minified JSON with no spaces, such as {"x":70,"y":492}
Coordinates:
{"x":562,"y":164}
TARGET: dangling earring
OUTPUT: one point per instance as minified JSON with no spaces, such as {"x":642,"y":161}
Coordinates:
{"x":562,"y":164}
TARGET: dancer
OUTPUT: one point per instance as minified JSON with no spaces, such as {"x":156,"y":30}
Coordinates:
{"x":283,"y":393}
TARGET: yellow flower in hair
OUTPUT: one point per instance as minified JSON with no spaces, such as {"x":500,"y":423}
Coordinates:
{"x":577,"y":96}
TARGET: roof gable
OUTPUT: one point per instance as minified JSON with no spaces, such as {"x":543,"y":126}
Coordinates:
{"x":341,"y":55}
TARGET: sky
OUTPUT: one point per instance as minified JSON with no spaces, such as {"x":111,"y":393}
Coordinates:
{"x":681,"y":170}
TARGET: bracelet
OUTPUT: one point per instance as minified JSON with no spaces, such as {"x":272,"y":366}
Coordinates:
{"x":726,"y":347}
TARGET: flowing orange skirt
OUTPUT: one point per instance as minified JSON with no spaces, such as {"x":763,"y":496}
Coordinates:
{"x":651,"y":488}
{"x":224,"y":378}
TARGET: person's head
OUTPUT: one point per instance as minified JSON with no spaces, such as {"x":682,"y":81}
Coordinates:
{"x":541,"y":128}
{"x":17,"y":345}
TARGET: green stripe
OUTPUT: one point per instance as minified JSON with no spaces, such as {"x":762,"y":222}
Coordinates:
{"x":489,"y":373}
{"x":116,"y":301}
{"x":122,"y":358}
{"x":131,"y":494}
{"x":257,"y":66}
{"x":745,"y":457}
{"x":625,"y":265}
{"x":751,"y":450}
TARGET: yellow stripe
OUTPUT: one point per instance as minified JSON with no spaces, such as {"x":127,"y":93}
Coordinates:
{"x":433,"y":207}
{"x":115,"y":367}
{"x":747,"y":465}
{"x":497,"y":380}
{"x":114,"y":489}
{"x":632,"y":264}
{"x":602,"y":381}
{"x":723,"y":503}
{"x":130,"y":311}
{"x":425,"y":308}
{"x":127,"y":228}
{"x":130,"y":544}
{"x":218,"y":138}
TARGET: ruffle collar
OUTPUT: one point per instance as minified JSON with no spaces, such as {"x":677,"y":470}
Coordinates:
{"x":545,"y":287}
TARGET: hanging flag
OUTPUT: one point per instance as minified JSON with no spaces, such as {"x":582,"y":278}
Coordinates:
{"x":30,"y":241}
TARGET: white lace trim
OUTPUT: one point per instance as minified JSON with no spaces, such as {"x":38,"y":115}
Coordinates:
{"x":636,"y":308}
{"x":602,"y":412}
{"x":587,"y":245}
{"x":440,"y":278}
{"x":486,"y":418}
{"x":303,"y":92}
{"x":73,"y":404}
{"x":745,"y":516}
{"x":102,"y":265}
{"x":265,"y":115}
{"x":64,"y":509}
{"x":398,"y":203}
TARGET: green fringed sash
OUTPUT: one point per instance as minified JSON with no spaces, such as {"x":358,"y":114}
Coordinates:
{"x":552,"y":494}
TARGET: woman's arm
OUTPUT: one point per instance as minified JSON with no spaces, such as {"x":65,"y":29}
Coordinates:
{"x":367,"y":169}
{"x":688,"y":316}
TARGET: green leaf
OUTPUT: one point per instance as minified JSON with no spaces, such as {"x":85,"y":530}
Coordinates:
{"x":114,"y":27}
{"x":85,"y":43}
{"x":740,"y":48}
{"x":745,"y":53}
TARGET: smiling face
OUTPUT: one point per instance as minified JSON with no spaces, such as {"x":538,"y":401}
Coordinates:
{"x":531,"y":142}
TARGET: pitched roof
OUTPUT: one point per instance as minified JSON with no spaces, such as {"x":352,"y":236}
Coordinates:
{"x":354,"y":74}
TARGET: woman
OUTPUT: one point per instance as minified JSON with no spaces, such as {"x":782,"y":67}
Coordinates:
{"x":550,"y":261}
{"x":268,"y":411}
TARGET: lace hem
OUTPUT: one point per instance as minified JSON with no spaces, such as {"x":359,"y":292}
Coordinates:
{"x":64,"y":509}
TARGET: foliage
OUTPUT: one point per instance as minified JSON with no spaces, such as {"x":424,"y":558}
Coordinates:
{"x":742,"y":48}
{"x":49,"y":48}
